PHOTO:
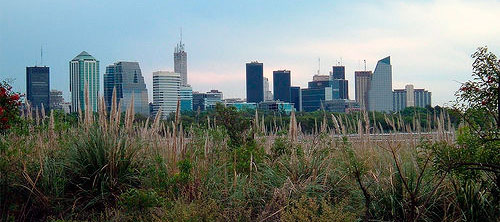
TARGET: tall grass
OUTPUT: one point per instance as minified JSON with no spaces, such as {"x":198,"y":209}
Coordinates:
{"x":111,"y":167}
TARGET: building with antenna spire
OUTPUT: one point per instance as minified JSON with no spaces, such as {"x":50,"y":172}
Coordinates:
{"x":180,"y":62}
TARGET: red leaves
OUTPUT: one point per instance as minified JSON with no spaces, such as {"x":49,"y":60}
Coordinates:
{"x":9,"y":106}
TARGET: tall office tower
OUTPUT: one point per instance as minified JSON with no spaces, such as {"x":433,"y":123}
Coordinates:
{"x":38,"y":87}
{"x":127,"y":78}
{"x":56,"y":99}
{"x":410,"y":97}
{"x":338,"y":75}
{"x":180,"y":62}
{"x":268,"y":95}
{"x":281,"y":85}
{"x":380,"y":90}
{"x":186,"y":97}
{"x":296,"y":97}
{"x":166,"y":86}
{"x":255,"y":82}
{"x":362,"y":83}
{"x":84,"y":72}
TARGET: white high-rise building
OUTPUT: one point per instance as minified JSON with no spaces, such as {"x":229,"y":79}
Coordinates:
{"x":166,"y":86}
{"x":84,"y":71}
{"x":268,"y":95}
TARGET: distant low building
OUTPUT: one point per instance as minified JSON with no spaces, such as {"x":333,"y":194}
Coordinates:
{"x":242,"y":105}
{"x":410,"y":97}
{"x":56,"y":99}
{"x":206,"y":101}
{"x":277,"y":106}
{"x":341,"y":106}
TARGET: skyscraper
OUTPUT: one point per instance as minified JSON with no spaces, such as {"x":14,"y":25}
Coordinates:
{"x":127,"y":78}
{"x":84,"y":72}
{"x":338,"y":75}
{"x":38,"y":87}
{"x":380,"y":90}
{"x":296,"y":97}
{"x":255,"y":82}
{"x":281,"y":85}
{"x":166,"y":86}
{"x":180,"y":62}
{"x":362,"y":83}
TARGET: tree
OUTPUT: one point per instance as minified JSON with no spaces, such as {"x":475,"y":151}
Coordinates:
{"x":9,"y":107}
{"x":479,"y":99}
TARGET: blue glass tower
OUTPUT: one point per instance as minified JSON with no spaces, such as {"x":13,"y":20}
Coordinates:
{"x":255,"y":82}
{"x":38,"y":87}
{"x":281,"y":85}
{"x":296,"y":97}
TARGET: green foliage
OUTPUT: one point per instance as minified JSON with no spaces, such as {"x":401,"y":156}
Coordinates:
{"x":309,"y":209}
{"x":100,"y":168}
{"x":137,"y":200}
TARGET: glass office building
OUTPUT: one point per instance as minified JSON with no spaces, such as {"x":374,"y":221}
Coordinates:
{"x":380,"y":90}
{"x":84,"y":73}
{"x":38,"y":87}
{"x":127,"y":79}
{"x":255,"y":82}
{"x":296,"y":97}
{"x":281,"y":85}
{"x":186,"y":97}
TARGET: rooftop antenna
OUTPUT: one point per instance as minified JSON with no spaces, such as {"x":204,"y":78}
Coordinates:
{"x":41,"y":55}
{"x":364,"y":60}
{"x":319,"y":65}
{"x":181,"y":35}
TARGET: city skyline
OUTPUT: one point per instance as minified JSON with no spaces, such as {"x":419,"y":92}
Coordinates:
{"x":430,"y":50}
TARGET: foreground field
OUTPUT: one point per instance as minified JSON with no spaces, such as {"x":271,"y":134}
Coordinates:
{"x":110,"y":167}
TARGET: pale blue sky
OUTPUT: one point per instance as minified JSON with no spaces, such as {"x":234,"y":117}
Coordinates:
{"x":429,"y":42}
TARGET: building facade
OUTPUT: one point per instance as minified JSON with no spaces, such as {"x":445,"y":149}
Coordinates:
{"x":296,"y":97}
{"x":56,"y":99}
{"x":380,"y":90}
{"x":127,"y":79}
{"x":317,"y":93}
{"x":268,"y":95}
{"x":362,"y":81}
{"x":410,"y":97}
{"x":338,"y":75}
{"x":341,"y":105}
{"x":38,"y":87}
{"x":180,"y":63}
{"x":255,"y":82}
{"x":166,"y":86}
{"x":281,"y":85}
{"x":84,"y":73}
{"x":277,"y":106}
{"x":186,"y":97}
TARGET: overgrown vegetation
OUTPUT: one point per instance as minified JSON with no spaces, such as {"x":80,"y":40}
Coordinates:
{"x":240,"y":166}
